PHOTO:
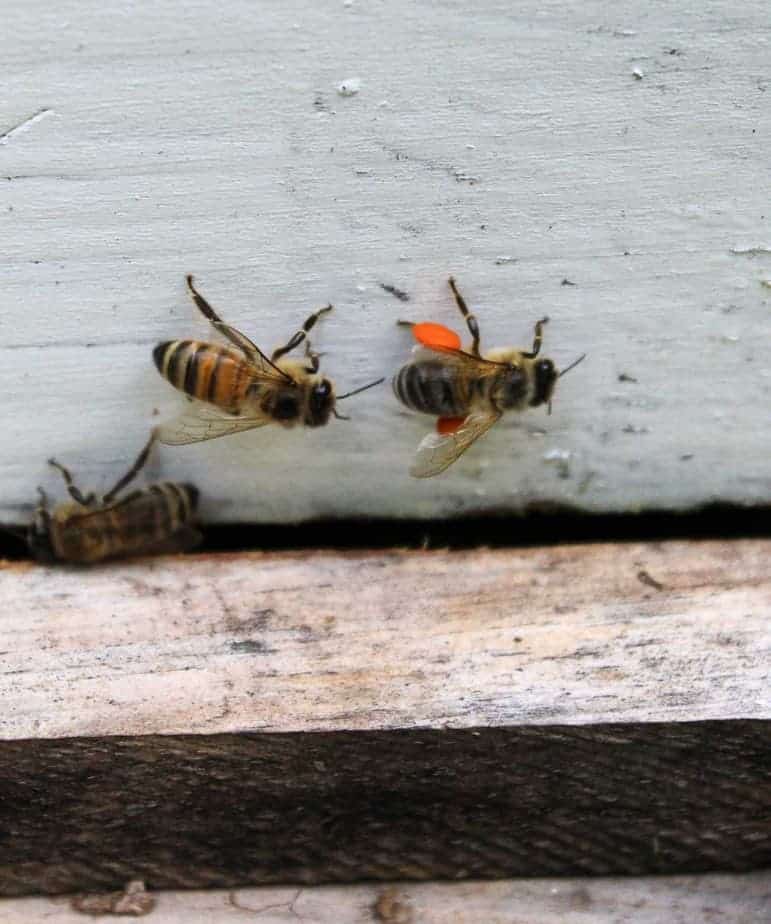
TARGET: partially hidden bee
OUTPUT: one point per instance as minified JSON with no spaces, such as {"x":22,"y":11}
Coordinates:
{"x":237,"y":387}
{"x":157,"y":519}
{"x":466,"y":390}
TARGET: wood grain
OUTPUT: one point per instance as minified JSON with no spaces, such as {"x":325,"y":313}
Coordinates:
{"x":292,"y":718}
{"x":510,"y":145}
{"x":231,"y":810}
{"x":299,"y":642}
{"x":737,"y":899}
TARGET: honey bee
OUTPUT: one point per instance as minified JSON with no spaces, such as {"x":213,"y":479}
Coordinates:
{"x":466,"y":390}
{"x":151,"y":521}
{"x":235,"y":388}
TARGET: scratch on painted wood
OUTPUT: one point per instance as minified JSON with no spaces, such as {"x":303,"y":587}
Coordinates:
{"x":24,"y":126}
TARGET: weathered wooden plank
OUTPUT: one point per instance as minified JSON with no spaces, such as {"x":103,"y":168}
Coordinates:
{"x":230,"y":810}
{"x":737,"y":899}
{"x":298,"y":642}
{"x":516,"y":148}
{"x":386,"y":715}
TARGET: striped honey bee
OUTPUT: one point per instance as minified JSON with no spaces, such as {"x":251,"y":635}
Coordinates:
{"x":237,"y":387}
{"x":86,"y":530}
{"x":467,"y":391}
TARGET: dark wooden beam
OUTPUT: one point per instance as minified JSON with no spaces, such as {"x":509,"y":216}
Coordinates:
{"x":230,"y":810}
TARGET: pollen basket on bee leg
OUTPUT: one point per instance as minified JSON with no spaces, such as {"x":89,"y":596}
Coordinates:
{"x":447,"y":425}
{"x":436,"y":335}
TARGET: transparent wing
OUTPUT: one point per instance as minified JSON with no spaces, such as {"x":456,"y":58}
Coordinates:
{"x":201,"y":422}
{"x":438,"y":451}
{"x":263,"y":367}
{"x":458,"y":359}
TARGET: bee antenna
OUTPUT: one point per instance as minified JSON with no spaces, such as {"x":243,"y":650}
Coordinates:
{"x":339,"y":416}
{"x":572,"y":365}
{"x":356,"y":391}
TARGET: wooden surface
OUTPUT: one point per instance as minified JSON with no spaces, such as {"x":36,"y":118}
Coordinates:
{"x":284,"y":718}
{"x":429,"y":803}
{"x":674,"y":900}
{"x":603,"y":164}
{"x":334,"y":641}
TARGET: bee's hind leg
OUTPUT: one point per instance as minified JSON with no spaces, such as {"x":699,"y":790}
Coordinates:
{"x":75,"y":493}
{"x":296,"y":339}
{"x":131,"y":474}
{"x":470,"y":318}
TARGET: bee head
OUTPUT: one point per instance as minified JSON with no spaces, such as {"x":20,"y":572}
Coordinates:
{"x":321,"y":403}
{"x":545,"y":377}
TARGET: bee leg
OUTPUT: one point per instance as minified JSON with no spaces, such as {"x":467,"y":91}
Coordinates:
{"x":202,"y":305}
{"x":75,"y":493}
{"x":229,"y":333}
{"x":537,"y":338}
{"x":296,"y":339}
{"x":314,"y":359}
{"x":40,"y":526}
{"x":132,"y":473}
{"x":471,"y":320}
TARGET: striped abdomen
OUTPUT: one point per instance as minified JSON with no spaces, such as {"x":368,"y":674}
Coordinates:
{"x":143,"y":522}
{"x":432,"y":388}
{"x":206,"y":371}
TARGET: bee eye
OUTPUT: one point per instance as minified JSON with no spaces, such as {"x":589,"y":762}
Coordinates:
{"x":286,"y":408}
{"x":322,"y":389}
{"x":545,"y":366}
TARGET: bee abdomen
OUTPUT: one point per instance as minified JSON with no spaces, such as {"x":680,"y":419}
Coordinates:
{"x":206,"y":371}
{"x":142,"y":521}
{"x":430,"y":388}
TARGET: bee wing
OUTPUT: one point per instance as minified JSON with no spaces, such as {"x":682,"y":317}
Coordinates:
{"x":263,"y":366}
{"x":438,"y":451}
{"x":458,"y":359}
{"x":201,"y":423}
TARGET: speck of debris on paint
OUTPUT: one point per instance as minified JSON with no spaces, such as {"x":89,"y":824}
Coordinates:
{"x":560,"y":458}
{"x":624,"y":377}
{"x":637,"y":73}
{"x":349,"y":87}
{"x":500,"y":261}
{"x":567,"y":282}
{"x":392,"y":290}
{"x":766,"y":283}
